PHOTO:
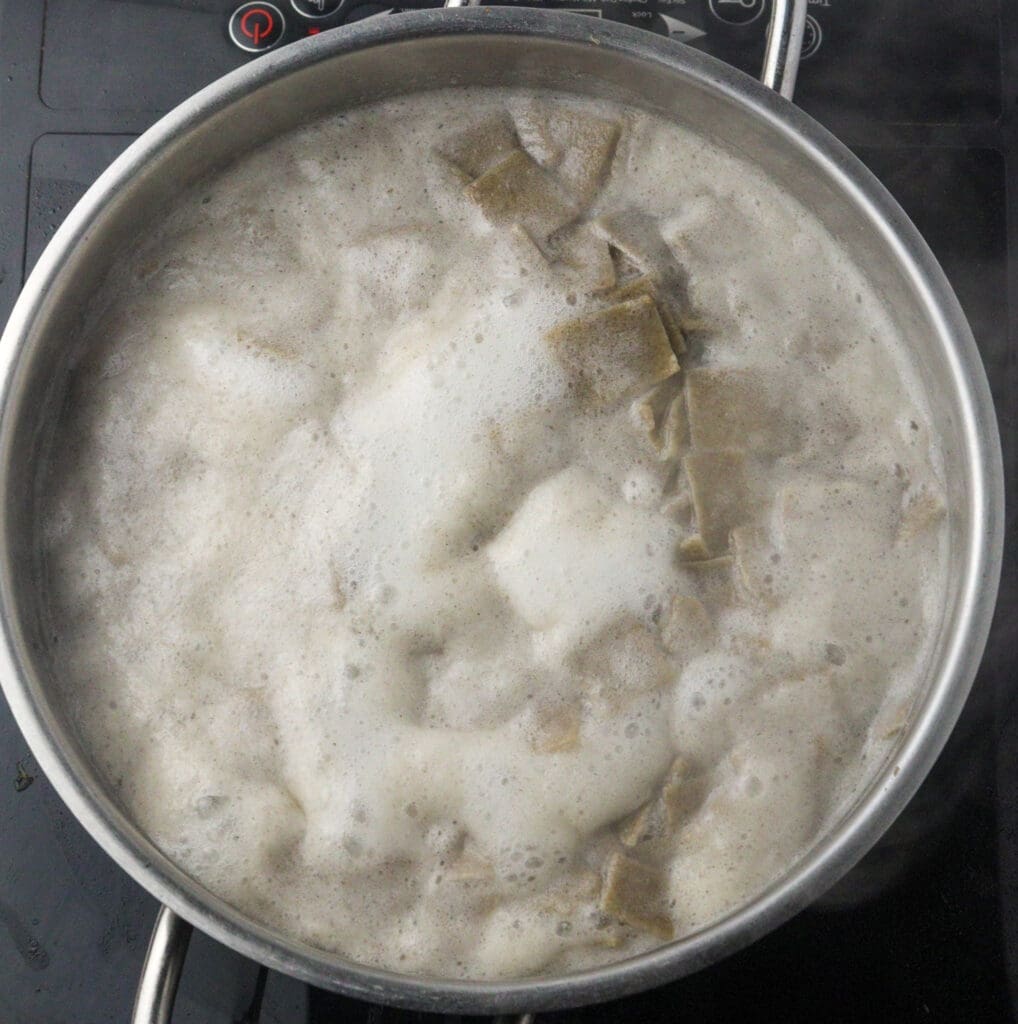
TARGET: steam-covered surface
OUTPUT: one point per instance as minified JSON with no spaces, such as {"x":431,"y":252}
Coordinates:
{"x":375,"y":606}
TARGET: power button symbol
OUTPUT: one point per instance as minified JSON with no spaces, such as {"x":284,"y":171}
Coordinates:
{"x":256,"y":27}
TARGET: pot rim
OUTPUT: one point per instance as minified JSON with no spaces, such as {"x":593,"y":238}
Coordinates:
{"x":78,"y":784}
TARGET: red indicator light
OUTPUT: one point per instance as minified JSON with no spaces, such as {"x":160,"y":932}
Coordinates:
{"x":257,"y":24}
{"x":313,"y":31}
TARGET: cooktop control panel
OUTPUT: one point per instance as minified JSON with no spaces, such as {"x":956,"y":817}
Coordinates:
{"x":257,"y":26}
{"x":733,"y":30}
{"x":923,"y":63}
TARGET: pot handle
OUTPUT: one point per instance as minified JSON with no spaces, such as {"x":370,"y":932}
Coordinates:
{"x":784,"y":42}
{"x":160,"y":973}
{"x":164,"y":960}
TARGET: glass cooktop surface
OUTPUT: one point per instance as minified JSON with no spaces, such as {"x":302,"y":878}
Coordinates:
{"x":925,"y":929}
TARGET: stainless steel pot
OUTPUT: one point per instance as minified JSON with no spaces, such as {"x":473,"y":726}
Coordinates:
{"x":491,"y":46}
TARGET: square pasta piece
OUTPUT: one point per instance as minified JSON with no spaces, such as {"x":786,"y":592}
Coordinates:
{"x":638,"y":236}
{"x":714,"y":582}
{"x":469,"y":866}
{"x":636,"y":240}
{"x":673,"y":432}
{"x":556,"y":729}
{"x":616,"y":351}
{"x":680,"y":793}
{"x":581,"y":255}
{"x":644,"y":825}
{"x":922,"y":510}
{"x":722,"y":494}
{"x":633,"y":893}
{"x":626,"y":657}
{"x":535,"y":119}
{"x":687,"y":631}
{"x":579,"y":145}
{"x":589,"y":145}
{"x":667,"y":305}
{"x":659,"y":415}
{"x":756,"y":561}
{"x":471,"y":152}
{"x":518,"y":190}
{"x":743,"y":409}
{"x":693,"y":549}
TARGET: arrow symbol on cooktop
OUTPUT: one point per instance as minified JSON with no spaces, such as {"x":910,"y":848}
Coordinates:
{"x":680,"y":30}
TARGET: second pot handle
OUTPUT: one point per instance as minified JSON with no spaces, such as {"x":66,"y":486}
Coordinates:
{"x":160,"y":973}
{"x":784,"y":46}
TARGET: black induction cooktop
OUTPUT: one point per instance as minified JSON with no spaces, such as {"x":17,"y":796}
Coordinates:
{"x":925,"y":929}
